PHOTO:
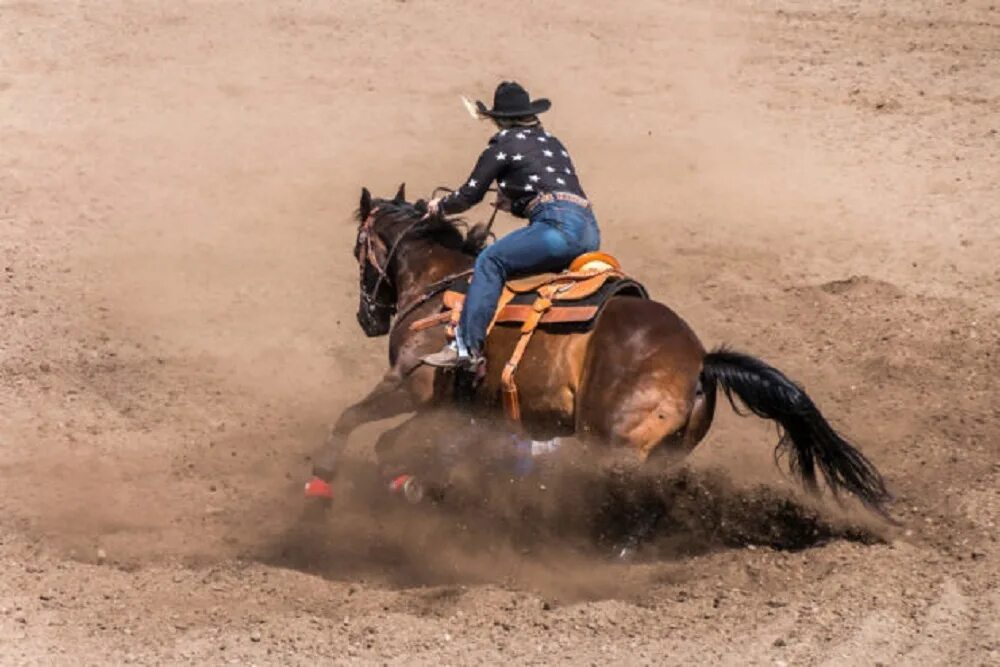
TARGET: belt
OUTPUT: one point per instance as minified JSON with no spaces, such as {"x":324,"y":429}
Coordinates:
{"x":549,"y":197}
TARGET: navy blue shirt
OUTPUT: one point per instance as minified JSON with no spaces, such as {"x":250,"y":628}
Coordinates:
{"x":524,"y":161}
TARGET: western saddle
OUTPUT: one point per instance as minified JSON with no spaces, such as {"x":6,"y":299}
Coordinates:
{"x":575,"y":296}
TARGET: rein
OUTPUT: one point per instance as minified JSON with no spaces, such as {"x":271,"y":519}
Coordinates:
{"x":429,"y":293}
{"x":495,"y":205}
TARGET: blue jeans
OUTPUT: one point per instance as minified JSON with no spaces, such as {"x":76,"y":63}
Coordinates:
{"x":558,"y":233}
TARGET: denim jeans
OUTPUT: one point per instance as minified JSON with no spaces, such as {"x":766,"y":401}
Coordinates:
{"x":558,"y":233}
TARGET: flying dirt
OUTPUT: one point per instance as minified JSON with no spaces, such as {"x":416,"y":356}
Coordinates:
{"x":813,"y":182}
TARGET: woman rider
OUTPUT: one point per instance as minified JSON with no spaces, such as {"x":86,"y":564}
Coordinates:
{"x":536,"y":180}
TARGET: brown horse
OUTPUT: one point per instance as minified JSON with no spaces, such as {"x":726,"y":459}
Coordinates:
{"x":638,"y":379}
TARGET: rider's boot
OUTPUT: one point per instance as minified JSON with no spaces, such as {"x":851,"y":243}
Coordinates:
{"x":455,"y":355}
{"x":447,"y":357}
{"x":451,"y":357}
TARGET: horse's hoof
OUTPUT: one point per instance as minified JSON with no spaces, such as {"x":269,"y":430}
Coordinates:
{"x":318,"y":500}
{"x":409,"y":487}
{"x":319,"y":490}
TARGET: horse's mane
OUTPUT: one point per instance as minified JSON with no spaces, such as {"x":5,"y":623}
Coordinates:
{"x":443,"y":231}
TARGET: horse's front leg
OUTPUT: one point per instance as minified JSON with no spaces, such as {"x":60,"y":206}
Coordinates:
{"x":389,"y":398}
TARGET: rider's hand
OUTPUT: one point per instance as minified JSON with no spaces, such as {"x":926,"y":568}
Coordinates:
{"x":433,"y":207}
{"x":503,"y":202}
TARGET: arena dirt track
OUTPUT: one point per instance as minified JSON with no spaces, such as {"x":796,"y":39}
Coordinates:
{"x":811,"y":182}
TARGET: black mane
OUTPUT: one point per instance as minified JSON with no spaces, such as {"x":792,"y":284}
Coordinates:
{"x":394,"y":218}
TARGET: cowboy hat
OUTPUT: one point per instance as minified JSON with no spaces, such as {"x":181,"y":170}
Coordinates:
{"x":511,"y":100}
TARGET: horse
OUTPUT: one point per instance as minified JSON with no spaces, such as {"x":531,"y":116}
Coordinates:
{"x":638,"y":381}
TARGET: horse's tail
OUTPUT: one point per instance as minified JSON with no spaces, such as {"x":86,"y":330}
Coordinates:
{"x":806,"y":436}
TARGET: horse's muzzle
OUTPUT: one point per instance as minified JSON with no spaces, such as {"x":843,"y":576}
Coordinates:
{"x":374,"y":322}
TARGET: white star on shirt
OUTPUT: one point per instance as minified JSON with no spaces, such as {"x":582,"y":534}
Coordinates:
{"x":533,"y":178}
{"x":547,"y":153}
{"x":520,"y":135}
{"x":550,"y":169}
{"x":564,"y":153}
{"x":501,"y":155}
{"x":472,"y":182}
{"x":517,"y":157}
{"x":568,"y":170}
{"x":542,"y":139}
{"x":528,"y":187}
{"x":503,"y":133}
{"x":560,"y":181}
{"x":502,"y":184}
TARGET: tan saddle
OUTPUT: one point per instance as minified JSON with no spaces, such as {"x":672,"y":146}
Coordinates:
{"x":573,"y":296}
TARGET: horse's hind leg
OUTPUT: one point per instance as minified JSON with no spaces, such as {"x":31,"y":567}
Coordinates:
{"x":648,"y":421}
{"x":641,"y":399}
{"x":649,"y":415}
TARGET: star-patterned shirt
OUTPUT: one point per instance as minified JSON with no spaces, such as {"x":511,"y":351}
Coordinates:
{"x":524,"y":161}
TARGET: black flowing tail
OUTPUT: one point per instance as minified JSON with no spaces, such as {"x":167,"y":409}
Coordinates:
{"x":806,"y":437}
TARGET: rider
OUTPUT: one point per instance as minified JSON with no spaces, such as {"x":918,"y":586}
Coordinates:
{"x":536,"y":180}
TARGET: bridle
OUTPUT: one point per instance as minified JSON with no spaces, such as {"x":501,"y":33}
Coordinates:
{"x":369,"y":244}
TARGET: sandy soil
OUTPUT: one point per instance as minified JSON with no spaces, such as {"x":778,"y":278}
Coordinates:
{"x":812,"y":182}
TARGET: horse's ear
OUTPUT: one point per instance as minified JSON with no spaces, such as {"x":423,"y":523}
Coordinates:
{"x":400,"y":197}
{"x":365,"y":208}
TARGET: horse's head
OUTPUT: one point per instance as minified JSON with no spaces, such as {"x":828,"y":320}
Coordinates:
{"x":386,"y":229}
{"x":372,"y":249}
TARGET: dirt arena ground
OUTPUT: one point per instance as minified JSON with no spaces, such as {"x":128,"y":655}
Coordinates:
{"x":811,"y":182}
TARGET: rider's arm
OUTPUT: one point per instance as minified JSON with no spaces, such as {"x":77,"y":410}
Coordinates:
{"x":473,"y":190}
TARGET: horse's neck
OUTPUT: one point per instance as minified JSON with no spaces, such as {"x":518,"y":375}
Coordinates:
{"x":423,"y":263}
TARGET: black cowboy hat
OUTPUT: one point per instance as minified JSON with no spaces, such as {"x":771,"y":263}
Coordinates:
{"x":512,"y":101}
